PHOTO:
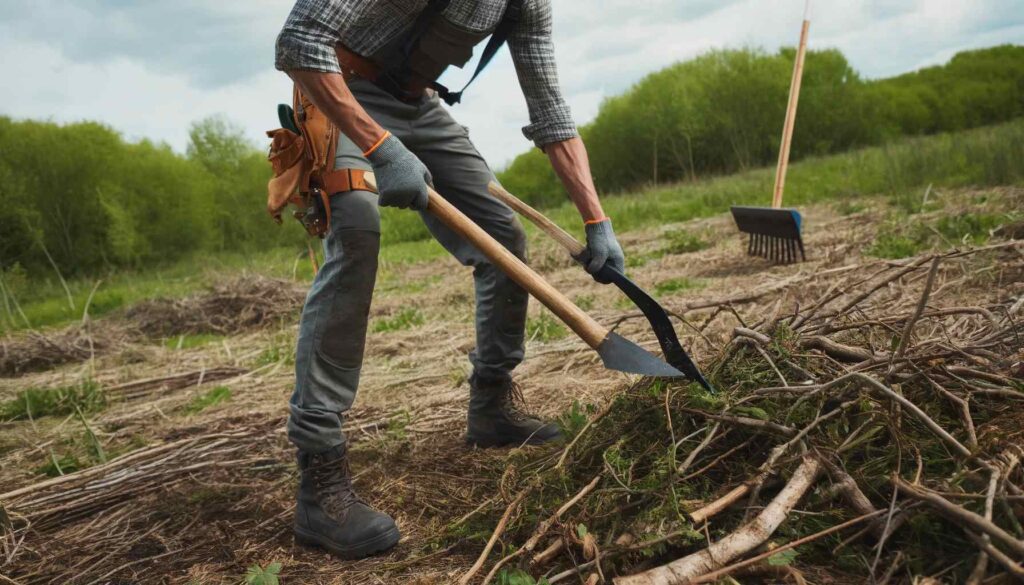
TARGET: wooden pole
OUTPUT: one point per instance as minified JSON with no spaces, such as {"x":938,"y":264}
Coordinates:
{"x":794,"y":98}
{"x":589,"y":330}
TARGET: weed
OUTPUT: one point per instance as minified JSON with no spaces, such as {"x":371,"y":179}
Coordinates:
{"x":573,"y":420}
{"x":192,"y":341}
{"x":848,"y":207}
{"x":213,"y":397}
{"x":57,"y":466}
{"x":904,"y":237}
{"x":37,"y":402}
{"x":585,"y":302}
{"x":518,"y":577}
{"x":545,"y":328}
{"x":281,"y":349}
{"x":407,"y":318}
{"x":677,"y":284}
{"x":257,"y":575}
{"x":683,"y":242}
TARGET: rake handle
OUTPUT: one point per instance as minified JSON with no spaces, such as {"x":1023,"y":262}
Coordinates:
{"x":589,"y":330}
{"x":794,"y":98}
{"x":564,"y":238}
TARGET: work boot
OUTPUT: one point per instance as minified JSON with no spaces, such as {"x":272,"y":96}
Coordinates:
{"x":496,"y":416}
{"x":329,"y":514}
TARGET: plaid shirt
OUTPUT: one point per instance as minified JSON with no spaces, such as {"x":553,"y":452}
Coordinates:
{"x":314,"y":27}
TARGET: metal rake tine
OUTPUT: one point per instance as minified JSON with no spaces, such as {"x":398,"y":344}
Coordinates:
{"x":802,"y":255}
{"x":750,"y":245}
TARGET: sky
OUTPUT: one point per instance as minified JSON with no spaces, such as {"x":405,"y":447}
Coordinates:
{"x":150,"y":68}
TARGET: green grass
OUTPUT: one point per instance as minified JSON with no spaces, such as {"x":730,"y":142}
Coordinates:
{"x":674,"y":285}
{"x":407,"y":318}
{"x":904,"y":236}
{"x":899,"y":171}
{"x":62,"y":401}
{"x":684,"y":242}
{"x":212,"y":397}
{"x":191,"y":341}
{"x":545,"y":327}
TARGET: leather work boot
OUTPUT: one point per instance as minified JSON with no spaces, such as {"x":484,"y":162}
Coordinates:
{"x":329,"y":514}
{"x":496,"y":416}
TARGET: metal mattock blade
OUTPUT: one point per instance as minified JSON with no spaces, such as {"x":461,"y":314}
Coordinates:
{"x":619,"y":353}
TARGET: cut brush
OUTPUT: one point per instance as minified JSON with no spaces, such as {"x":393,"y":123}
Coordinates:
{"x":774,"y":231}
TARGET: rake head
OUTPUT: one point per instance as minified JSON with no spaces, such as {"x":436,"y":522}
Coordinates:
{"x":774,"y":233}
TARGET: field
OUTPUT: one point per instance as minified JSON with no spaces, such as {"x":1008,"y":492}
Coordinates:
{"x":142,"y":417}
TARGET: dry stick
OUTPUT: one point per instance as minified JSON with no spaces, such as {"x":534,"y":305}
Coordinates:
{"x":713,"y":576}
{"x":696,"y":451}
{"x":838,"y":351}
{"x":494,"y":538}
{"x":909,"y":329}
{"x":540,"y":531}
{"x":981,"y":565}
{"x":826,"y":328}
{"x":961,"y":515}
{"x":739,"y":542}
{"x":853,"y":495}
{"x":565,"y":453}
{"x":927,"y":420}
{"x":549,"y":553}
{"x":965,"y":410}
{"x":745,"y":421}
{"x":1011,"y":565}
{"x":544,"y":526}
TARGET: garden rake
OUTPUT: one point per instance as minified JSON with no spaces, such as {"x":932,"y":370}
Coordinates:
{"x":775,"y":232}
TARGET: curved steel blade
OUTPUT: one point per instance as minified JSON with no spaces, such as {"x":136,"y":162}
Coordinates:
{"x":660,"y":323}
{"x":619,"y":353}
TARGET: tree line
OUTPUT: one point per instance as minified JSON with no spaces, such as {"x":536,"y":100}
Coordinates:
{"x":81,"y":198}
{"x":723,"y":112}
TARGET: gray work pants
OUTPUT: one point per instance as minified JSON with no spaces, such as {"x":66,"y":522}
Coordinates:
{"x":332,"y":331}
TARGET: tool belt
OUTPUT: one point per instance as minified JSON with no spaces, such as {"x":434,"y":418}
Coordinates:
{"x":302,"y":157}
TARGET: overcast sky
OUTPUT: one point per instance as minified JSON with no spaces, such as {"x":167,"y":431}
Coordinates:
{"x":149,"y":68}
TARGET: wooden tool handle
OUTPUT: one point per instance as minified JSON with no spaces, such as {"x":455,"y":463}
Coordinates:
{"x":794,"y":98}
{"x":564,"y":238}
{"x":589,"y":330}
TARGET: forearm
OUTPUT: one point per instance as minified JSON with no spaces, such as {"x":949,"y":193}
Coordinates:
{"x":572,"y":165}
{"x":330,"y":93}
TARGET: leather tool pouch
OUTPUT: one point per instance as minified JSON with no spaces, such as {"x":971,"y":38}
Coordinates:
{"x":303,"y":164}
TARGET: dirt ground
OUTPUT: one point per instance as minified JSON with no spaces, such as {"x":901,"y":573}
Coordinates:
{"x":199,"y":497}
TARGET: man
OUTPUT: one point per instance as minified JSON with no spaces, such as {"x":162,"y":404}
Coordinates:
{"x":371,"y":66}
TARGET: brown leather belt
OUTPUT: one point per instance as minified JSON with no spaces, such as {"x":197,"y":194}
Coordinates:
{"x":355,"y":66}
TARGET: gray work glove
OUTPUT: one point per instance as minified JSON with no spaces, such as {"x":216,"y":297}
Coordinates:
{"x":401,"y":178}
{"x":602,"y":248}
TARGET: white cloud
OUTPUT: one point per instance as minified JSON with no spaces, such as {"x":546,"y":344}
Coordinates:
{"x":151,"y":68}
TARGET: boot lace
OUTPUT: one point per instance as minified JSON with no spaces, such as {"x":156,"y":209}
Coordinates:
{"x":333,"y":482}
{"x":513,"y":402}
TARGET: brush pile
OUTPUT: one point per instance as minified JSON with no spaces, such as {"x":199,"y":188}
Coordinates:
{"x":243,"y":304}
{"x":875,"y":434}
{"x":231,"y":307}
{"x":35,"y":351}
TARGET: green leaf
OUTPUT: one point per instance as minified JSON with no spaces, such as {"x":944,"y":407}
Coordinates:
{"x":257,"y":575}
{"x":581,"y":530}
{"x":783,"y":558}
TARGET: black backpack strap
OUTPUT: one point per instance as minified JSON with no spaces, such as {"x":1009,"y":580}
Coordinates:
{"x":393,"y":81}
{"x":509,"y":20}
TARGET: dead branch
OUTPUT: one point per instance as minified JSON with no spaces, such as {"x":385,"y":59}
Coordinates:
{"x":739,"y":542}
{"x":958,"y":514}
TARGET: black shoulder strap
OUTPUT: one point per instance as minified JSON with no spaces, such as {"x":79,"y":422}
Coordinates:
{"x":511,"y":17}
{"x":419,"y":28}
